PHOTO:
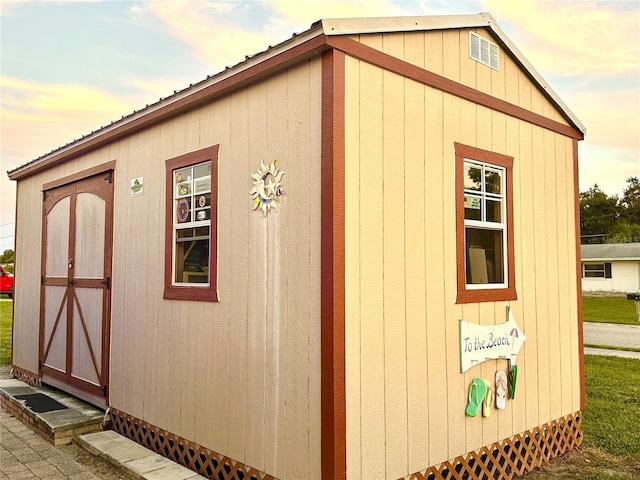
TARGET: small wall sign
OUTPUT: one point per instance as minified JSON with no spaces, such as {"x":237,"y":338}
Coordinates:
{"x":479,"y":343}
{"x":136,"y":186}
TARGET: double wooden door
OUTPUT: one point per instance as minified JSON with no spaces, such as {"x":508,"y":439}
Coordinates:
{"x":76,"y":287}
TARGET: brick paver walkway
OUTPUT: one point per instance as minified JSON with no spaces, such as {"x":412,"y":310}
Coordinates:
{"x":25,"y":454}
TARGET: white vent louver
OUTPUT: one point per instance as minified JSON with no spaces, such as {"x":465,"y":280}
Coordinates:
{"x":483,"y":51}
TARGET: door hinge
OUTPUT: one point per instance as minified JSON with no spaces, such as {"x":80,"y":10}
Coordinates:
{"x":107,"y":282}
{"x":105,"y":390}
{"x":42,"y":280}
{"x":109,"y":177}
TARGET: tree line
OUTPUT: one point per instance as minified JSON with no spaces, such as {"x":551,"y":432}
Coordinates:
{"x":7,"y":259}
{"x":611,"y":219}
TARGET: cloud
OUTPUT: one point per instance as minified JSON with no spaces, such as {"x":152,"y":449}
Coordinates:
{"x":612,"y":120}
{"x":208,"y":31}
{"x":39,"y":117}
{"x":222,"y":34}
{"x":308,"y":11}
{"x":573,"y":38}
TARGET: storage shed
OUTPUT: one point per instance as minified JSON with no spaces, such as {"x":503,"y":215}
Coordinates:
{"x":274,"y":272}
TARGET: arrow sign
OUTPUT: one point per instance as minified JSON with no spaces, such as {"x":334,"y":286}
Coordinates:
{"x":479,"y":343}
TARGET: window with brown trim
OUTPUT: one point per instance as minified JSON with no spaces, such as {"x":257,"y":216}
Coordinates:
{"x":191,"y":229}
{"x":484,"y":226}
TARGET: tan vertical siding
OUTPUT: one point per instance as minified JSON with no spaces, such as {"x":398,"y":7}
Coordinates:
{"x":240,"y":376}
{"x":415,"y":274}
{"x":353,"y":315}
{"x":27,"y":275}
{"x":394,"y":267}
{"x":371,"y":273}
{"x":402,"y":329}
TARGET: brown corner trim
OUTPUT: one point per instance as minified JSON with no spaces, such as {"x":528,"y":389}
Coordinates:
{"x":206,"y":462}
{"x":332,"y":303}
{"x":375,"y":57}
{"x":512,"y":456}
{"x":576,"y":206}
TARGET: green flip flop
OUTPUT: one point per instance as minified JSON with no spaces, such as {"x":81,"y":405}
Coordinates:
{"x":513,"y":377}
{"x":477,"y":392}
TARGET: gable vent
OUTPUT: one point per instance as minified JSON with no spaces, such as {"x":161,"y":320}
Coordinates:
{"x":483,"y":51}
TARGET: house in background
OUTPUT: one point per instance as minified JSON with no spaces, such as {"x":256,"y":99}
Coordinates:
{"x":430,"y":176}
{"x":611,"y":267}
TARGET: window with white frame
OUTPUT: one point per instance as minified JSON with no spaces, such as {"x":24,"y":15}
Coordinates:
{"x":191,"y":223}
{"x":485,"y":229}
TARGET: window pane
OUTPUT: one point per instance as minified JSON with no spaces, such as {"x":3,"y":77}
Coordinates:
{"x":472,"y":177}
{"x":202,"y":170}
{"x":472,"y":207}
{"x":494,"y":211}
{"x":493,"y":181}
{"x":484,"y":256}
{"x":594,"y":266}
{"x":192,"y":255}
{"x":183,"y":210}
{"x":594,"y":274}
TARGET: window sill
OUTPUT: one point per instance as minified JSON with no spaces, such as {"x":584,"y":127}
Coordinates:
{"x":194,"y":294}
{"x":486,"y":295}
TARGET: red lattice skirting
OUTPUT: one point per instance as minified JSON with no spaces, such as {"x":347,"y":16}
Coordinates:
{"x":512,"y":456}
{"x":204,"y":461}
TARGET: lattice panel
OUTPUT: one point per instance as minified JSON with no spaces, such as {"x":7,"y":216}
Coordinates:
{"x":25,"y":376}
{"x":513,"y":456}
{"x":199,"y":459}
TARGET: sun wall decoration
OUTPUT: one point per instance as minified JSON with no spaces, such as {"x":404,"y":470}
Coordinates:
{"x":267,"y":187}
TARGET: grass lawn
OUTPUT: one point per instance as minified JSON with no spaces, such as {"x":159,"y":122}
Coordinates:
{"x":611,"y":448}
{"x":609,"y":310}
{"x":613,"y":404}
{"x":5,"y":331}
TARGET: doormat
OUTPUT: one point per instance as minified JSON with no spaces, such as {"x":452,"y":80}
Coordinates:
{"x":40,"y":403}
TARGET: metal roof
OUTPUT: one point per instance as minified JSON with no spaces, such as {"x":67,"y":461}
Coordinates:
{"x":326,"y":27}
{"x":611,"y":251}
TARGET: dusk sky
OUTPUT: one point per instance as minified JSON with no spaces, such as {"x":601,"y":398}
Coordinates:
{"x":68,"y":68}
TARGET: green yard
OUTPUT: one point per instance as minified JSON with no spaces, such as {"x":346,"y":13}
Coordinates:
{"x":5,"y":331}
{"x":613,"y":404}
{"x":609,"y":310}
{"x":611,"y":448}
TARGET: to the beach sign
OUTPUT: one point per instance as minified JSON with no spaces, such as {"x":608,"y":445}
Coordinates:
{"x":479,"y":343}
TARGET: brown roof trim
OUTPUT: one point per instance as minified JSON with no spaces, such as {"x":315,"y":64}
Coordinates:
{"x":408,"y":70}
{"x":332,"y":282}
{"x":150,"y":116}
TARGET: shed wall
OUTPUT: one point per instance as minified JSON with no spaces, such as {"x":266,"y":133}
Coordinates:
{"x":241,"y":376}
{"x":405,"y":395}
